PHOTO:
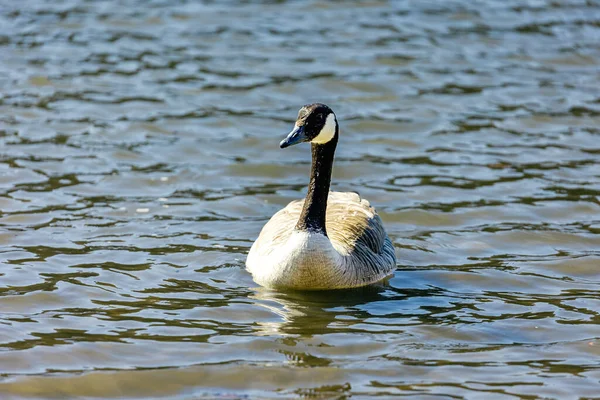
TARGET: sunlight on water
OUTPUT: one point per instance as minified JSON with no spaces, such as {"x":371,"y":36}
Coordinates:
{"x":139,"y":159}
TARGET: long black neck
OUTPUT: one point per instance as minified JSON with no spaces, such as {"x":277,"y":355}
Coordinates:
{"x":313,"y":214}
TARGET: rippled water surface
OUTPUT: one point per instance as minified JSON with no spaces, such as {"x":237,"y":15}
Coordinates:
{"x":139,"y":159}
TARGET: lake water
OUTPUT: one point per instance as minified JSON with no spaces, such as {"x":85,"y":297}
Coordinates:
{"x":139,"y":159}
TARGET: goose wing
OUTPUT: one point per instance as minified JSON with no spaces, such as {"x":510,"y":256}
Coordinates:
{"x":351,"y":223}
{"x":278,"y":229}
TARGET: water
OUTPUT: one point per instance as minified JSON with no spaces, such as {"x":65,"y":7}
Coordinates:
{"x":139,"y":160}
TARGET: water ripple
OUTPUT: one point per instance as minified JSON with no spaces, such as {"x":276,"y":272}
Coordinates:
{"x":139,"y":160}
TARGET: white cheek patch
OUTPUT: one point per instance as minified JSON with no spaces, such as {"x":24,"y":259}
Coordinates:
{"x":327,"y":132}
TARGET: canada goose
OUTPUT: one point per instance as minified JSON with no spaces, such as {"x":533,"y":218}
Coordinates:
{"x":329,"y":240}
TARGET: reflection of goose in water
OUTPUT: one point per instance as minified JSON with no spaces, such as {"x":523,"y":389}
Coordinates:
{"x":310,"y":313}
{"x":329,"y":240}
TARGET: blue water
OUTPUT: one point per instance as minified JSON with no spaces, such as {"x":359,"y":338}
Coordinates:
{"x":139,"y":159}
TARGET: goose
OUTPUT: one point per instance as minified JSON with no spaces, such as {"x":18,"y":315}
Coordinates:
{"x":328,"y":240}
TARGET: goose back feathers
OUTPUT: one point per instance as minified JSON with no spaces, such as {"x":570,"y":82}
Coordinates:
{"x":355,"y":252}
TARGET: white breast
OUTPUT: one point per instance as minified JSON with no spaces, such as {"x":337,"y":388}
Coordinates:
{"x":307,"y":260}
